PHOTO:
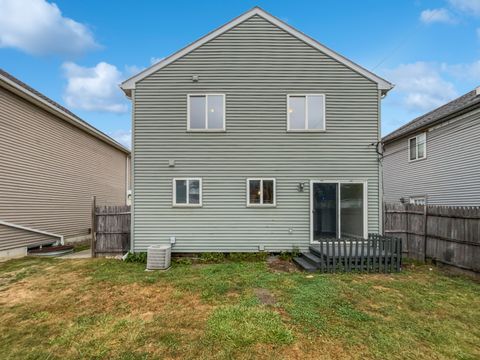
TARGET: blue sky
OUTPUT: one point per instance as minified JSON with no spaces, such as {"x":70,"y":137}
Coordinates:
{"x":76,"y":52}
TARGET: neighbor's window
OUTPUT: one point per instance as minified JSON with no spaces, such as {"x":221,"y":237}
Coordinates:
{"x":306,"y":112}
{"x":417,"y":200}
{"x":187,"y":192}
{"x":206,"y":112}
{"x":261,"y":192}
{"x":418,"y":147}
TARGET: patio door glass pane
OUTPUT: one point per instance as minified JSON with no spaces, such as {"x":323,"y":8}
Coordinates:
{"x":351,"y":210}
{"x":325,"y":208}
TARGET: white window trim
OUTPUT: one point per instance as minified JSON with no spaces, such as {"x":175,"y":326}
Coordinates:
{"x":412,"y":199}
{"x":416,"y":148}
{"x":306,"y":113}
{"x":223,"y":129}
{"x":174,"y":193}
{"x":365,"y":204}
{"x":261,"y":193}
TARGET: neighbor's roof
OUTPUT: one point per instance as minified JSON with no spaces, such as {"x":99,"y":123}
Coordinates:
{"x":18,"y":87}
{"x":129,"y":84}
{"x":443,"y":113}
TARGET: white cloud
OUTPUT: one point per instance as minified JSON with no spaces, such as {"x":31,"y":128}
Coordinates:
{"x":469,"y":72}
{"x":38,"y":27}
{"x":420,"y":86}
{"x":95,"y":88}
{"x":124,"y":137}
{"x":471,"y":7}
{"x":430,"y":16}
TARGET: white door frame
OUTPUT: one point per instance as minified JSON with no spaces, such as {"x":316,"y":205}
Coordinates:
{"x":339,"y":182}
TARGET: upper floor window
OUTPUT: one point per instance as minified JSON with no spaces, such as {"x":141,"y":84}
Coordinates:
{"x":206,"y":112}
{"x":261,"y":192}
{"x":417,"y":147}
{"x":187,"y":192}
{"x":306,"y":112}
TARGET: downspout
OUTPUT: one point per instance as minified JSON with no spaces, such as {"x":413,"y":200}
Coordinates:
{"x":380,"y":165}
{"x":132,"y":177}
{"x":25,"y":228}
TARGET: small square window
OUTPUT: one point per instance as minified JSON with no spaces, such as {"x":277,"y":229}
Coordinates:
{"x":306,"y":112}
{"x":261,"y":192}
{"x":417,"y":147}
{"x":206,"y":112}
{"x":187,"y":192}
{"x":417,"y":200}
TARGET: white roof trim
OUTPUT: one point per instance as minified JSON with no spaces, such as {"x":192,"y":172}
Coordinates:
{"x":129,"y":84}
{"x":32,"y":97}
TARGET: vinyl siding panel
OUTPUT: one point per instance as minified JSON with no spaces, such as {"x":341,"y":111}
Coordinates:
{"x":450,"y":175}
{"x":49,"y":170}
{"x":255,"y":65}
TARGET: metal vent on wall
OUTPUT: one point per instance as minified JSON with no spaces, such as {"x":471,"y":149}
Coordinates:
{"x":158,"y":257}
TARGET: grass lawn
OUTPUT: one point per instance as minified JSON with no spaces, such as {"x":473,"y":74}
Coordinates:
{"x":104,"y":309}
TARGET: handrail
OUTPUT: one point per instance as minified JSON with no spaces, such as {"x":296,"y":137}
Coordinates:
{"x":32,"y":230}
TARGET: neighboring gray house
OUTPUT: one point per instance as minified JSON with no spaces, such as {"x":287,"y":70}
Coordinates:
{"x":435,"y":158}
{"x":255,"y":137}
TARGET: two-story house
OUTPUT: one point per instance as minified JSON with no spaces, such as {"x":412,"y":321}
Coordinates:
{"x":256,"y":137}
{"x":435,"y":158}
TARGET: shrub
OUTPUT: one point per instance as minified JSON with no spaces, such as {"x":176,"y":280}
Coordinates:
{"x":140,"y":257}
{"x":210,"y":257}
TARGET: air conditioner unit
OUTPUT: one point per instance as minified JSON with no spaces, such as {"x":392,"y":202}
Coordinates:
{"x":158,"y":257}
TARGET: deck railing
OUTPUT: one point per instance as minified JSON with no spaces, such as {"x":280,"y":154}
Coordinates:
{"x":375,"y":254}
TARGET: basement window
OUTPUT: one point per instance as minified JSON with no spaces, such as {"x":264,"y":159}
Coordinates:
{"x":187,"y":192}
{"x":261,"y":192}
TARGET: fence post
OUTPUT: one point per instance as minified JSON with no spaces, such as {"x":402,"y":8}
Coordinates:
{"x":93,"y":240}
{"x":425,"y":218}
{"x":407,"y":231}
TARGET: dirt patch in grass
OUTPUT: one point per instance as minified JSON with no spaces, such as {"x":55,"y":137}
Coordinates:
{"x":276,"y":264}
{"x":264,"y":296}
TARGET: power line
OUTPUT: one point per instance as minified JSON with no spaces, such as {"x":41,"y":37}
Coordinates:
{"x":402,"y":42}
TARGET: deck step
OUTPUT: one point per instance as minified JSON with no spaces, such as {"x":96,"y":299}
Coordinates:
{"x":313,"y":259}
{"x":304,"y":264}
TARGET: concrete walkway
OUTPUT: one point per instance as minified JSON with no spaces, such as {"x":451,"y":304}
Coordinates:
{"x":84,"y":254}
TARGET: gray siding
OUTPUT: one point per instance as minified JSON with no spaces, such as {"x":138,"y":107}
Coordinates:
{"x":450,"y":175}
{"x":49,"y":170}
{"x":256,"y":65}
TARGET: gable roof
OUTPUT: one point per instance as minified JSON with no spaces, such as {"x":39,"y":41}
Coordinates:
{"x":469,"y":101}
{"x":21,"y":89}
{"x":129,"y":84}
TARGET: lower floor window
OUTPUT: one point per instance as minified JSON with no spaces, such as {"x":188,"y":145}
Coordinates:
{"x":187,"y":192}
{"x":417,"y":200}
{"x":261,"y":192}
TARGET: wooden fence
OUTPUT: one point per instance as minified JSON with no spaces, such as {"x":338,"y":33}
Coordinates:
{"x":449,"y":235}
{"x":375,"y":254}
{"x":111,"y":224}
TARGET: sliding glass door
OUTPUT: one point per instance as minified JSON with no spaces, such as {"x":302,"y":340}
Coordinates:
{"x":338,"y":209}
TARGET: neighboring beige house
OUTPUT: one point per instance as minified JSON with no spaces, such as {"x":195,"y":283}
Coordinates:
{"x":51,"y":164}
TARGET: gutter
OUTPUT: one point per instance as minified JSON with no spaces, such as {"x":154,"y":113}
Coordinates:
{"x":60,"y":237}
